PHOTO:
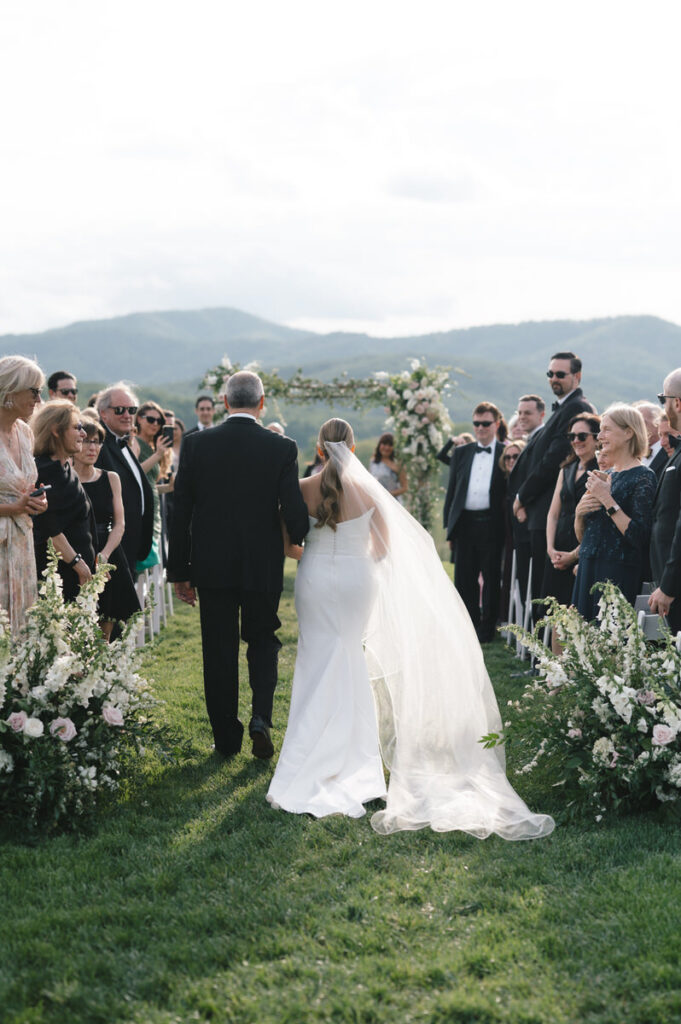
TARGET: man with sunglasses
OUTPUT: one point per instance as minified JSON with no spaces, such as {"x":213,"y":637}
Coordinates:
{"x":117,"y":406}
{"x":474,"y":520}
{"x":62,"y":384}
{"x":539,"y":463}
{"x":665,"y":539}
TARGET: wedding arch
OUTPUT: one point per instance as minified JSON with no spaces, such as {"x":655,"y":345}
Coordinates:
{"x":413,"y":400}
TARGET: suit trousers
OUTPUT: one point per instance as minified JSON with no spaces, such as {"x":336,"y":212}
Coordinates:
{"x":539,"y":556}
{"x":478,"y":551}
{"x":220,"y":632}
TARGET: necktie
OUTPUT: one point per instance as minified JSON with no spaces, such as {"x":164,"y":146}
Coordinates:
{"x":479,"y":448}
{"x":556,"y":405}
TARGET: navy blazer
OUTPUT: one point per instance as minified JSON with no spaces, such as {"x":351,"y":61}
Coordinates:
{"x":459,"y":476}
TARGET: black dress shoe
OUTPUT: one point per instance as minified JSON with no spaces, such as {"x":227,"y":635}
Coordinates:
{"x":221,"y":752}
{"x":260,"y":734}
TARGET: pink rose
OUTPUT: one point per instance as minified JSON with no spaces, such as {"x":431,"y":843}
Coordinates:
{"x":17,"y":720}
{"x":575,"y":734}
{"x":112,"y":715}
{"x":63,"y":728}
{"x":645,"y":697}
{"x":662,"y":735}
{"x":614,"y":759}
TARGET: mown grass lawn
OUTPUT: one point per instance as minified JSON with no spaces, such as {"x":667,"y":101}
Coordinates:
{"x":194,"y":901}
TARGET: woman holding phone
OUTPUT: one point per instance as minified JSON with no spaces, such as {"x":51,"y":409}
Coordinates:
{"x":155,"y":456}
{"x":21,"y":381}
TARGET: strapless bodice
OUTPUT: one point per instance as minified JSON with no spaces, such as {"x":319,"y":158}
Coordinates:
{"x":350,"y":538}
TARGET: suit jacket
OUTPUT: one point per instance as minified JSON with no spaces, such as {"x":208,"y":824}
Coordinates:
{"x":459,"y":476}
{"x":659,"y":463}
{"x":665,"y":539}
{"x":539,"y":462}
{"x":231,"y":482}
{"x":139,"y":526}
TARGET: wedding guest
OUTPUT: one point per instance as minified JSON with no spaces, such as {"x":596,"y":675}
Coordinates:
{"x":507,"y":460}
{"x":389,"y":473}
{"x":455,"y":441}
{"x":68,"y":521}
{"x":502,"y":430}
{"x":118,"y":601}
{"x":167,"y":494}
{"x":656,"y":457}
{"x":665,"y":539}
{"x":205,"y":412}
{"x":562,"y":545}
{"x":276,"y":428}
{"x":515,"y":430}
{"x":666,"y":431}
{"x":62,"y":384}
{"x":614,"y":517}
{"x":21,"y":381}
{"x":314,"y":467}
{"x":530,"y":413}
{"x":155,"y":456}
{"x":92,"y":400}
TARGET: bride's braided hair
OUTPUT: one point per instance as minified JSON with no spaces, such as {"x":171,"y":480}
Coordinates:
{"x":328,"y":511}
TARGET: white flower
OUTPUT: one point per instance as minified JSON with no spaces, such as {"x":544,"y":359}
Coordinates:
{"x":33,"y":727}
{"x":226,"y":362}
{"x":112,"y":715}
{"x":603,"y":750}
{"x":6,"y":762}
{"x":381,"y":375}
{"x":211,"y":380}
{"x":642,"y":725}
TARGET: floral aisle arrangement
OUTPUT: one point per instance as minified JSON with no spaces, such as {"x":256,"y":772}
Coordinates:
{"x":603,"y":718}
{"x":72,"y":708}
{"x":413,"y":400}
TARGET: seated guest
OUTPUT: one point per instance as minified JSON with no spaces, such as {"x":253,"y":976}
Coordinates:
{"x":117,"y":406}
{"x":68,"y":521}
{"x":386,"y":469}
{"x":561,"y":542}
{"x":205,"y":411}
{"x":118,"y":601}
{"x":613,"y":520}
{"x":62,"y":384}
{"x":155,"y":455}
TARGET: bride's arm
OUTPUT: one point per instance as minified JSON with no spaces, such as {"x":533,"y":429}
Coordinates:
{"x":294,"y":551}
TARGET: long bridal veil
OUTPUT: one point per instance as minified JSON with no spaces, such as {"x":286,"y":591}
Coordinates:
{"x":433,"y":696}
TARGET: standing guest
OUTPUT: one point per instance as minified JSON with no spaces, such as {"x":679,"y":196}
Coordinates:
{"x":167,"y":487}
{"x":227,"y":542}
{"x":276,"y":428}
{"x":205,"y":411}
{"x":21,"y":381}
{"x":507,"y":461}
{"x":155,"y":456}
{"x":68,"y":522}
{"x":62,"y":384}
{"x":474,"y":520}
{"x":117,"y":406}
{"x":562,"y":545}
{"x":665,"y":539}
{"x":502,"y":431}
{"x":92,"y":400}
{"x":515,"y":430}
{"x":656,"y":457}
{"x":118,"y":601}
{"x":389,"y":473}
{"x":541,"y":461}
{"x":667,"y":431}
{"x":614,"y":518}
{"x":530,"y":413}
{"x":453,"y":442}
{"x":314,"y":467}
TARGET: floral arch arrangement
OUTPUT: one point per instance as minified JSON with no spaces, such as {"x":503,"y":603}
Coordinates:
{"x":413,"y":400}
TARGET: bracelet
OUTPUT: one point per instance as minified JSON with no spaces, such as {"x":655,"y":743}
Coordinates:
{"x":75,"y":561}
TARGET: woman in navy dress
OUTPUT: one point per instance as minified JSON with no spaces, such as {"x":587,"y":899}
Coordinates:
{"x":614,"y":518}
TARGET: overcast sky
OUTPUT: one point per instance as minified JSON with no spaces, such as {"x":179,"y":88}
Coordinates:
{"x":383,"y":166}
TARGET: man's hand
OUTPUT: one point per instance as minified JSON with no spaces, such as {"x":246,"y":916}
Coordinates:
{"x":659,"y":602}
{"x":186,"y":592}
{"x":520,"y":512}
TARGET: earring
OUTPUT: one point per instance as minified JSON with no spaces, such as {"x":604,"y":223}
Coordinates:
{"x":9,"y":403}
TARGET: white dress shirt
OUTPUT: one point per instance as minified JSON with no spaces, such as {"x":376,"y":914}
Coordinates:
{"x":653,"y":452}
{"x":479,"y":481}
{"x":134,"y":466}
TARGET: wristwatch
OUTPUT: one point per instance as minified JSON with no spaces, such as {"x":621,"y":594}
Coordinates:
{"x":74,"y":561}
{"x":613,"y":508}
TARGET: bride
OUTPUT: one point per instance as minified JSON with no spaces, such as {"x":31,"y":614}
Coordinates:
{"x":388,"y":664}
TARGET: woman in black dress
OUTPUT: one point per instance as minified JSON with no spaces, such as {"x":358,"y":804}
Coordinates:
{"x":118,"y":601}
{"x":68,"y":522}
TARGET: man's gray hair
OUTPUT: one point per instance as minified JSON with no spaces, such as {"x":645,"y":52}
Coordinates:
{"x":672,"y":383}
{"x":104,"y":397}
{"x":244,"y":390}
{"x":644,"y":406}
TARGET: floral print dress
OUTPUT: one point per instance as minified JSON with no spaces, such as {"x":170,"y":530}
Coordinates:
{"x":18,"y":581}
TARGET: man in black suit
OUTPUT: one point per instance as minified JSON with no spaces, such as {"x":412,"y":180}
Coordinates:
{"x":656,"y":459}
{"x":474,"y":520}
{"x":234,"y":485}
{"x":117,"y":406}
{"x":665,"y":539}
{"x":539,"y":462}
{"x":531,"y":412}
{"x":205,"y":411}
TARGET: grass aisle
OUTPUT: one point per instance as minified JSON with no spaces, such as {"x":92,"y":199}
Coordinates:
{"x":194,"y":901}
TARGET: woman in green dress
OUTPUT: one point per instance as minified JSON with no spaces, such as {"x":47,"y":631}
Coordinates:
{"x":155,"y":454}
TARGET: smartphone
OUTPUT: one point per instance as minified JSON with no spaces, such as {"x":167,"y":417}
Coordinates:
{"x":168,"y":432}
{"x":40,"y":490}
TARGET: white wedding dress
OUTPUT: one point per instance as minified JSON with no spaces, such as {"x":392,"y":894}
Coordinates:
{"x":388,"y":659}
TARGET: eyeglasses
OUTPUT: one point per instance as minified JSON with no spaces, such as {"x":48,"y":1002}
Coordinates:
{"x":119,"y":410}
{"x":663,"y":398}
{"x":483,"y":423}
{"x":510,"y":458}
{"x":557,"y":373}
{"x":35,"y":392}
{"x":580,"y":436}
{"x":153,"y":419}
{"x":67,"y":391}
{"x":93,"y":440}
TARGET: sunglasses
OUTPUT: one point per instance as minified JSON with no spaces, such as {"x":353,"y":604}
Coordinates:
{"x":483,"y":423}
{"x":661,"y":398}
{"x":557,"y":373}
{"x":67,"y":391}
{"x":153,"y":419}
{"x":79,"y":426}
{"x":119,"y":410}
{"x":580,"y":436}
{"x":510,"y":458}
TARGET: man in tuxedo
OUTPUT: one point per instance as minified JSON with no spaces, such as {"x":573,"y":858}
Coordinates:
{"x":117,"y":406}
{"x":474,"y":519}
{"x":656,"y":459}
{"x":234,"y":485}
{"x":665,"y":539}
{"x":205,"y":411}
{"x":539,"y":462}
{"x":531,"y":412}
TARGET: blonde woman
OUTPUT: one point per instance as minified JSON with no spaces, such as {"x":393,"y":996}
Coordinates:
{"x":21,"y":381}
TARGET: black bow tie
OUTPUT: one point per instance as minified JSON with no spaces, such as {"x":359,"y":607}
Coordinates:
{"x":479,"y":448}
{"x":122,"y":442}
{"x":674,"y":441}
{"x":556,"y":405}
